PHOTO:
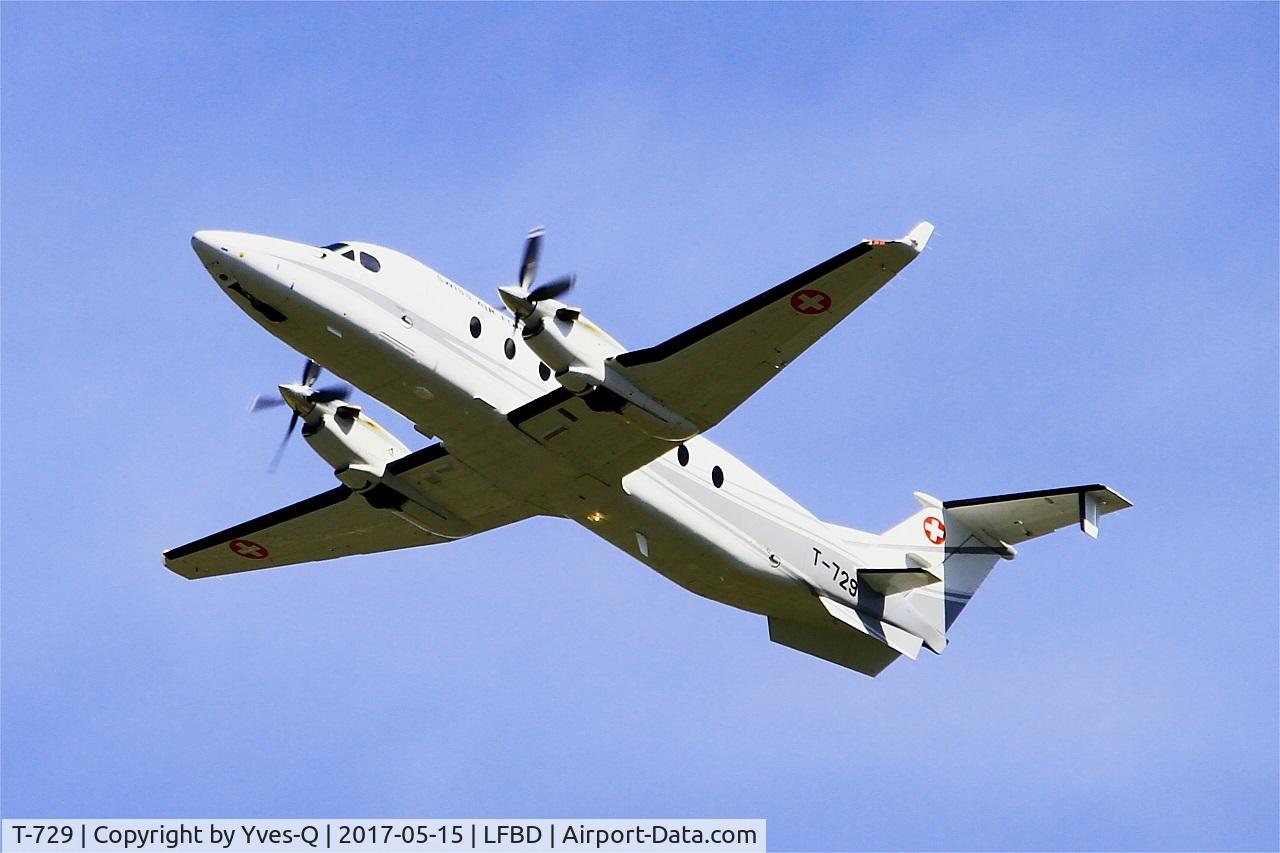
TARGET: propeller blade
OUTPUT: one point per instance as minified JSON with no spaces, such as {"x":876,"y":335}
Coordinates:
{"x":529,"y":264}
{"x":259,"y":402}
{"x":516,"y":299}
{"x":275,"y":461}
{"x":551,"y":289}
{"x":329,"y":393}
{"x":310,"y":373}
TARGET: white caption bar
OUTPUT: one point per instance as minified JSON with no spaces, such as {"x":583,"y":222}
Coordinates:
{"x":424,"y":835}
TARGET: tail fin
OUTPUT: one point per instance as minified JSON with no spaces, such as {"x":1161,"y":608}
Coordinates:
{"x":952,"y":546}
{"x":954,"y":555}
{"x":962,"y":559}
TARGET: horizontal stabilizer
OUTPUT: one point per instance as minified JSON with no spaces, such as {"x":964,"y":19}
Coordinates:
{"x":903,"y":642}
{"x":1020,"y":516}
{"x":893,"y":581}
{"x":836,"y":643}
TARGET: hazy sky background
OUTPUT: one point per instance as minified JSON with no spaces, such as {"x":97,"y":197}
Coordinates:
{"x":1099,"y":304}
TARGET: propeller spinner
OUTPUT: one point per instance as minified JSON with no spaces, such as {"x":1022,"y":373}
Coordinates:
{"x":301,"y":398}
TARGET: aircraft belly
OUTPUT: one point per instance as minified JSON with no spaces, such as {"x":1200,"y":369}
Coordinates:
{"x":653,"y":517}
{"x":644,"y":518}
{"x":783,"y":528}
{"x":694,"y":549}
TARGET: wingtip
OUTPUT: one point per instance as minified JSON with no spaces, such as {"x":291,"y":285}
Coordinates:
{"x":918,"y":237}
{"x":1113,"y":495}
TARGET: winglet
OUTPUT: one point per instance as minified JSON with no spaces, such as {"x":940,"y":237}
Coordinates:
{"x":919,"y":236}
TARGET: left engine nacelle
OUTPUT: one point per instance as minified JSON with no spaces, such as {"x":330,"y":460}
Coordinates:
{"x":359,"y":450}
{"x":343,"y":436}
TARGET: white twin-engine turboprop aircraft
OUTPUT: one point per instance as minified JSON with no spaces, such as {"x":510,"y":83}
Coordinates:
{"x":608,"y":437}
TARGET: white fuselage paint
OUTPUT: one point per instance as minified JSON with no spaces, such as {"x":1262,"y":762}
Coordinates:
{"x":402,"y":335}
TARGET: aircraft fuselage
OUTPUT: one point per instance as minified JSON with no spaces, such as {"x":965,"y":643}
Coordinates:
{"x":455,"y":367}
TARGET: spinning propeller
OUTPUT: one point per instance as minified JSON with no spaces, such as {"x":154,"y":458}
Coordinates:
{"x":519,"y":297}
{"x":301,"y":398}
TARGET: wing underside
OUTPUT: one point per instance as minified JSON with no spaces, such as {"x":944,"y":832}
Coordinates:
{"x":708,"y":370}
{"x":1017,"y":517}
{"x":340,"y":522}
{"x":839,"y":644}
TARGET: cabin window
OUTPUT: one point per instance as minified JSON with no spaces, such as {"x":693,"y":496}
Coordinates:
{"x":369,"y":262}
{"x":682,"y":455}
{"x":717,"y":477}
{"x":475,"y":327}
{"x":509,"y":348}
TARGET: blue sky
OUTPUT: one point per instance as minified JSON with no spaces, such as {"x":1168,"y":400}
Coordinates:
{"x":1099,"y":304}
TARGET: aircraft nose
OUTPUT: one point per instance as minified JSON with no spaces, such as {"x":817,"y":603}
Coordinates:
{"x":208,"y":245}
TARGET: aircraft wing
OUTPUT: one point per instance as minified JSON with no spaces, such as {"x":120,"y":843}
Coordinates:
{"x":341,"y":522}
{"x":708,"y":371}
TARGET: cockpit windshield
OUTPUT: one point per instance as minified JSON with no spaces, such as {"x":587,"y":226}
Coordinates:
{"x":367,"y":260}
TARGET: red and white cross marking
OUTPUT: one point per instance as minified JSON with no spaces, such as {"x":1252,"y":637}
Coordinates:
{"x":248,"y":549}
{"x":810,"y":301}
{"x":934,"y":530}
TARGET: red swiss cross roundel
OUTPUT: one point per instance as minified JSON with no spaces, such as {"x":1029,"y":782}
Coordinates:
{"x":248,"y":549}
{"x":934,"y":530}
{"x":810,"y":301}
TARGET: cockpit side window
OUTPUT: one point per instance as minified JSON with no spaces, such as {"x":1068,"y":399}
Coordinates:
{"x":349,"y":254}
{"x":369,"y":262}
